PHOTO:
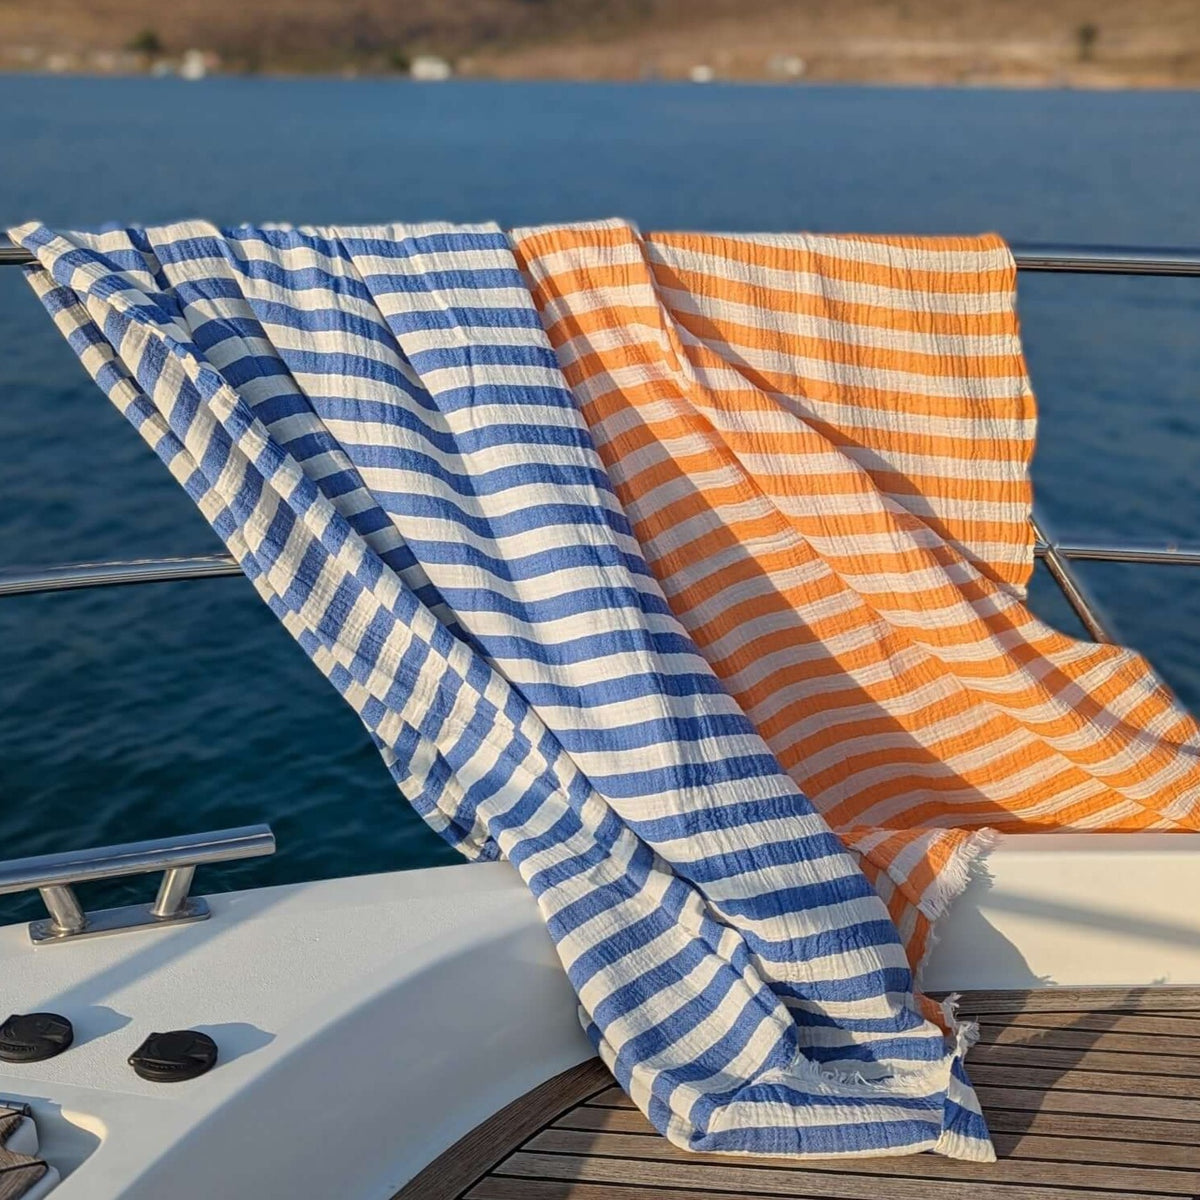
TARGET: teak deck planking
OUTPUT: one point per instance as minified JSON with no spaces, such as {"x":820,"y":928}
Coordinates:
{"x":1088,"y":1093}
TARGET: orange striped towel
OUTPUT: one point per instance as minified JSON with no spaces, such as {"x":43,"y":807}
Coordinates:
{"x":823,"y":446}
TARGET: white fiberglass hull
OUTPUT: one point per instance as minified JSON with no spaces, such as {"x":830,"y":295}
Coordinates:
{"x":365,"y":1024}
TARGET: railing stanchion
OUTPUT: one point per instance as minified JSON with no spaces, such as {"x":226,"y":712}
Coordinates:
{"x":1085,"y":608}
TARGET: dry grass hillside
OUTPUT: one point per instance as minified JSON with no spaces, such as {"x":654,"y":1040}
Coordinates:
{"x":1034,"y":42}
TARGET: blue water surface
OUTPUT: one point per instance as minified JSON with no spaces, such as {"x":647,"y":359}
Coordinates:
{"x":138,"y":712}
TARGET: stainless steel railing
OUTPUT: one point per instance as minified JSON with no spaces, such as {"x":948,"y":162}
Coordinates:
{"x":54,"y":875}
{"x":1106,"y":260}
{"x":1058,"y":556}
{"x":1087,"y":260}
{"x":73,"y":576}
{"x":70,"y":576}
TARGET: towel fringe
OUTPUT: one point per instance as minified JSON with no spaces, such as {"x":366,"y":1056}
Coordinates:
{"x":963,"y":867}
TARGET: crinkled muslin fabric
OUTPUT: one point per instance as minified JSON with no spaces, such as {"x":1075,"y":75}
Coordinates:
{"x":822,"y":444}
{"x":375,"y":423}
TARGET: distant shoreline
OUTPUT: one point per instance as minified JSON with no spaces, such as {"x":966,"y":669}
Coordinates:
{"x":982,"y":83}
{"x":1012,"y":44}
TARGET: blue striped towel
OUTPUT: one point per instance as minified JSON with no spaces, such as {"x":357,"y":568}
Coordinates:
{"x":374,"y":422}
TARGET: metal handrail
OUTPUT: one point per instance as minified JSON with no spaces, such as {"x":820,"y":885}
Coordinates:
{"x":74,"y":576}
{"x":1086,"y":260}
{"x":69,"y":576}
{"x":1166,"y":556}
{"x":134,"y":858}
{"x":177,"y":857}
{"x":1106,"y":260}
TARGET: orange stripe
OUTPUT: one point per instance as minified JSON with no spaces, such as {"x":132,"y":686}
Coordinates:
{"x":580,"y":367}
{"x":833,"y":263}
{"x":865,"y":357}
{"x":797,"y":301}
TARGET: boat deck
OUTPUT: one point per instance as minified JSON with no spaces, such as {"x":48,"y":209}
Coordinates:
{"x":1090,"y":1092}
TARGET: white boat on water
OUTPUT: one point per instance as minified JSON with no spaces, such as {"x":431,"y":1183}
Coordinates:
{"x":413,"y":1034}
